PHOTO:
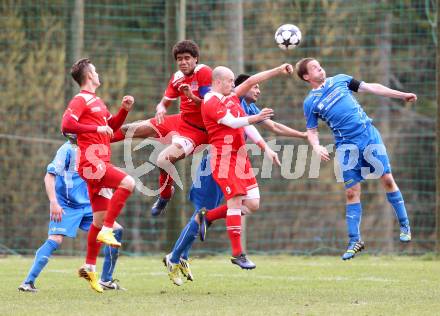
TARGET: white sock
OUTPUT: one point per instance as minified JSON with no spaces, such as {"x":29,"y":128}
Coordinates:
{"x":106,"y":229}
{"x":90,"y":267}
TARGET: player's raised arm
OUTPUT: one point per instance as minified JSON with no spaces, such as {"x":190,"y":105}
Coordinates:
{"x":236,"y":122}
{"x":115,"y":122}
{"x":283,"y":130}
{"x":379,"y":89}
{"x":313,"y":138}
{"x":262,"y":76}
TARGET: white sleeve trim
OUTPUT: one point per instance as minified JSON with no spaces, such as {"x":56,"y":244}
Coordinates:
{"x":74,"y":116}
{"x":171,"y":99}
{"x":253,"y":133}
{"x":232,"y":121}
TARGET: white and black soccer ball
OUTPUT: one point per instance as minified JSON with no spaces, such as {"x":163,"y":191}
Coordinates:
{"x":288,"y":36}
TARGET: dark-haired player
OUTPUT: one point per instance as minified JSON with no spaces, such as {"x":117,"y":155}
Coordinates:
{"x":185,"y":131}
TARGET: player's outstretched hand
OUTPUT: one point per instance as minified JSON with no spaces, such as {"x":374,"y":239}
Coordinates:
{"x":264,"y":114}
{"x":322,"y":152}
{"x":56,"y":212}
{"x":286,"y":69}
{"x":127,"y":102}
{"x":273,"y":156}
{"x":410,"y":97}
{"x":106,"y":130}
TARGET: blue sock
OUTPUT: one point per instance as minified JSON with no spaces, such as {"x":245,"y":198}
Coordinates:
{"x":110,"y":256}
{"x":396,"y":200}
{"x":185,"y":241}
{"x":185,"y":253}
{"x":353,"y":217}
{"x":42,"y":256}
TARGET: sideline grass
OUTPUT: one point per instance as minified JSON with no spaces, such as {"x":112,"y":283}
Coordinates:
{"x":281,"y":285}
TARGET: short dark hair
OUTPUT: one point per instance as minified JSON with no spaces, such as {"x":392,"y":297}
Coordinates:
{"x":79,"y":70}
{"x":301,"y":67}
{"x":240,"y":79}
{"x":186,"y":46}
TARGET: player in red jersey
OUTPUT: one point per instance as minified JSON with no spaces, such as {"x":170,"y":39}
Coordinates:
{"x":227,"y":123}
{"x":88,"y":117}
{"x":185,"y":131}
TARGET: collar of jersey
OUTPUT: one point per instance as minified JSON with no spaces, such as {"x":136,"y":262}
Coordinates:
{"x":217,"y":94}
{"x":88,"y":92}
{"x":321,"y":87}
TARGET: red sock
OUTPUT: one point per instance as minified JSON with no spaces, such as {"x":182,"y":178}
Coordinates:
{"x":233,"y":226}
{"x":93,"y":246}
{"x":216,"y":213}
{"x":117,"y":136}
{"x":166,"y":183}
{"x":115,"y":206}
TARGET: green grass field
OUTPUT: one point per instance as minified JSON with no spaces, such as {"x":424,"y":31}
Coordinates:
{"x":281,"y":285}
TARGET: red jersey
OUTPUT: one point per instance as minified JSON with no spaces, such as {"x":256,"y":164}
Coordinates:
{"x":201,"y":77}
{"x":214,"y":108}
{"x":87,"y":108}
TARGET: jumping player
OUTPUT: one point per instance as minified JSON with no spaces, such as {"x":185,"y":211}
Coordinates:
{"x":205,"y":192}
{"x":185,"y":130}
{"x":359,"y":146}
{"x":88,"y":117}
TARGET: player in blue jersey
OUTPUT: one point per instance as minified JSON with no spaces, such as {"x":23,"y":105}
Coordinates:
{"x":69,"y":210}
{"x":359,"y":146}
{"x":206,"y":194}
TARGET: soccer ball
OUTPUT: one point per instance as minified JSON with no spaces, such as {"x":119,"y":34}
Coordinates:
{"x":288,"y":36}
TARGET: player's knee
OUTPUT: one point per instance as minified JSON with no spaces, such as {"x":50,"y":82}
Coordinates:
{"x":253,"y":205}
{"x":388,"y":182}
{"x":57,"y":238}
{"x":98,"y":222}
{"x":352,"y":194}
{"x":128,"y":183}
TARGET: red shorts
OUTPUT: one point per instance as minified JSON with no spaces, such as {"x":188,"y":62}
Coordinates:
{"x":182,"y":133}
{"x":170,"y":124}
{"x":197,"y":136}
{"x":100,"y":185}
{"x":234,"y":178}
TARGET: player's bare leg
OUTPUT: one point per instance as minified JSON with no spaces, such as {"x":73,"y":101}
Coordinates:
{"x":395,"y":198}
{"x":140,"y":129}
{"x":166,"y":160}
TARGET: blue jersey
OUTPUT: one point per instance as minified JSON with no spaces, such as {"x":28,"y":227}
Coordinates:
{"x":70,"y":188}
{"x":205,"y":192}
{"x":249,"y":109}
{"x":335,"y":104}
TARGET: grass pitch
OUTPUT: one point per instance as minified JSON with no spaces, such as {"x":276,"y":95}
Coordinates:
{"x":280,"y":285}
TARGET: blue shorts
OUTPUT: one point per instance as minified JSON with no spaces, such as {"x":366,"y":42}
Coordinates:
{"x":363,"y":157}
{"x":205,"y":192}
{"x":73,"y":219}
